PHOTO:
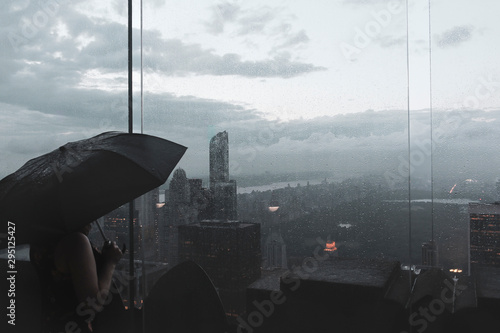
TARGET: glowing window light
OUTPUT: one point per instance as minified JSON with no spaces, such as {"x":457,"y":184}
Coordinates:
{"x":330,"y":247}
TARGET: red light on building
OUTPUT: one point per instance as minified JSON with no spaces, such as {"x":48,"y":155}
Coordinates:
{"x":330,"y":247}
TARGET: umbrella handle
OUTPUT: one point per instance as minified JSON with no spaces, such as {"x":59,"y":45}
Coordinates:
{"x":107,"y":242}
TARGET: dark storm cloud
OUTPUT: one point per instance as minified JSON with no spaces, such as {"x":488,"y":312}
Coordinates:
{"x":106,"y":50}
{"x":27,"y":133}
{"x":391,"y":41}
{"x":192,"y":112}
{"x":370,"y":142}
{"x":293,"y":40}
{"x":180,"y":59}
{"x":42,"y":106}
{"x":455,"y":36}
{"x":254,"y":22}
{"x":40,"y":76}
{"x":272,"y":22}
{"x":221,"y":14}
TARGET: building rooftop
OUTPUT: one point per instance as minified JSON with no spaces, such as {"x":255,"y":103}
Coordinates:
{"x":365,"y":272}
{"x":221,"y":224}
{"x":487,"y":281}
{"x":270,"y":280}
{"x":481,"y":208}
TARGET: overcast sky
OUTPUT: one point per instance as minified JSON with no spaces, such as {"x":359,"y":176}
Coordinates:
{"x":299,"y":85}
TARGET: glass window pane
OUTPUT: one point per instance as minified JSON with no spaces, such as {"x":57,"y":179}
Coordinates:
{"x":314,"y":102}
{"x":351,"y":142}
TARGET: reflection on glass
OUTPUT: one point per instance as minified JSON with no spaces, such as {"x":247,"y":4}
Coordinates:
{"x":359,"y":134}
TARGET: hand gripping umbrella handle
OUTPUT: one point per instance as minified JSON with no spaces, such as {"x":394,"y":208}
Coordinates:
{"x":107,"y":242}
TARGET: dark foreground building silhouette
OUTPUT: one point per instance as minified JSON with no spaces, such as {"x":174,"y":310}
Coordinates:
{"x":229,"y":251}
{"x":334,"y":295}
{"x":368,"y":295}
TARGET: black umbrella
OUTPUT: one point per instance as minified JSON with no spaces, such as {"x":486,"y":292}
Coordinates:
{"x":81,"y":181}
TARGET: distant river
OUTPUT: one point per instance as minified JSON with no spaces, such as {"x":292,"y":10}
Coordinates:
{"x":442,"y":201}
{"x":274,"y":186}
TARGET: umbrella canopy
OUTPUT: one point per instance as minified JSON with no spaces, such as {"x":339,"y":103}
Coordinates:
{"x":81,"y":181}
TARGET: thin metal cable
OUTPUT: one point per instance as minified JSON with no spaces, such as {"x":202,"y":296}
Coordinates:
{"x":409,"y":125}
{"x":130,"y":68}
{"x":431,"y":128}
{"x":409,"y":149}
{"x":143,"y":199}
{"x":142,"y":84}
{"x":131,"y":203}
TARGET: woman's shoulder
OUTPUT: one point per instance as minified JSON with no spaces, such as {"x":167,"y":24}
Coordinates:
{"x":75,"y":237}
{"x":70,"y":247}
{"x":75,"y":241}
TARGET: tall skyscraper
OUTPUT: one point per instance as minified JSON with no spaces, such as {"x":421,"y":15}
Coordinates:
{"x":224,"y":201}
{"x":179,"y":188}
{"x":187,"y":200}
{"x":275,"y":251}
{"x":223,"y":189}
{"x":177,"y":213}
{"x":219,"y":159}
{"x":485,"y":234}
{"x":430,"y":254}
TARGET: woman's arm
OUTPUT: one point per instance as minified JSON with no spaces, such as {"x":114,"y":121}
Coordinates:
{"x":74,"y":256}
